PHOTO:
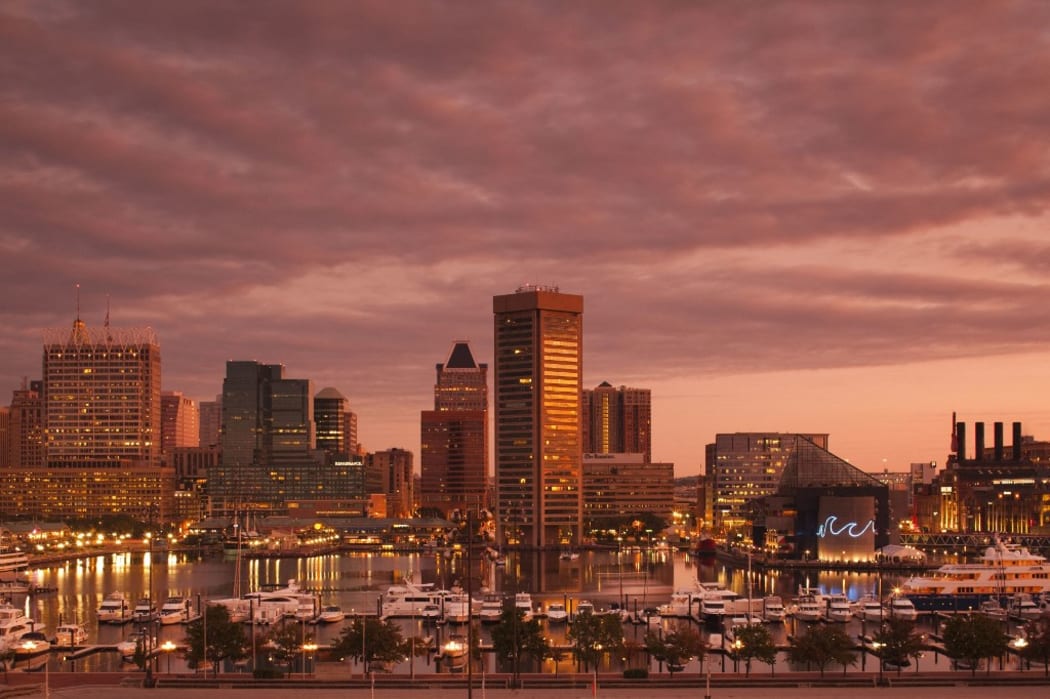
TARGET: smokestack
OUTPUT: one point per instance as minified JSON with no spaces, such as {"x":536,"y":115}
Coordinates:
{"x":998,"y":431}
{"x":1017,"y":441}
{"x":978,"y":441}
{"x":960,"y":432}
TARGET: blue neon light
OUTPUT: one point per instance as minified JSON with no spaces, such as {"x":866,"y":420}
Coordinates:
{"x":849,"y":528}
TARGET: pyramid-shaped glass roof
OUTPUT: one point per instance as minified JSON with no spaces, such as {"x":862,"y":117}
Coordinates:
{"x":810,"y":466}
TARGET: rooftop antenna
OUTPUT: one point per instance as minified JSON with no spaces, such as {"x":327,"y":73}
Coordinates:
{"x":105,"y":324}
{"x":78,"y":302}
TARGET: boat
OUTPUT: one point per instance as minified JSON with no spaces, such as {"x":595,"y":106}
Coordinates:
{"x":272,"y":605}
{"x":69,"y":636}
{"x":870,"y":609}
{"x":457,"y":609}
{"x":991,"y":608}
{"x":114,"y":609}
{"x":491,"y":610}
{"x":714,"y":602}
{"x":680,"y":604}
{"x":431,"y":612}
{"x":175,"y":610}
{"x":706,"y":547}
{"x":523,"y":603}
{"x":773,"y":609}
{"x":838,"y":609}
{"x":409,"y":599}
{"x":1023,"y":606}
{"x":144,"y":611}
{"x":808,"y":609}
{"x":1003,"y":571}
{"x":13,"y":625}
{"x":902,"y":608}
{"x":32,"y":650}
{"x":570,"y":556}
{"x":556,"y":613}
{"x":331,"y":614}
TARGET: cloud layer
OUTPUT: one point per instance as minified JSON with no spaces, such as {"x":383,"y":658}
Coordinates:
{"x":342,"y":187}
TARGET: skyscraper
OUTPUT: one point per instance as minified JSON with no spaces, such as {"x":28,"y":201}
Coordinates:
{"x":336,"y":423}
{"x":617,"y":421}
{"x":454,"y":435}
{"x":179,"y":422}
{"x":27,"y":427}
{"x":101,"y":397}
{"x":210,"y":412}
{"x":539,"y":366}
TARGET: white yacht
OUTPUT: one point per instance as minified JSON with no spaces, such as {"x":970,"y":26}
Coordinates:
{"x":13,"y":625}
{"x":870,"y":609}
{"x":1022,"y":605}
{"x":270,"y":606}
{"x":808,"y":609}
{"x":902,"y":608}
{"x":175,"y":610}
{"x":457,"y":609}
{"x":491,"y":610}
{"x":409,"y":599}
{"x":114,"y":609}
{"x":70,"y":636}
{"x":838,"y":609}
{"x":556,"y":613}
{"x":144,"y":611}
{"x":331,"y":614}
{"x":680,"y":605}
{"x":773,"y":609}
{"x":523,"y":602}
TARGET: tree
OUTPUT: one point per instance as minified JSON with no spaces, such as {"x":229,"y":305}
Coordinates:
{"x":595,"y":634}
{"x":286,"y":642}
{"x":898,"y":641}
{"x":514,"y":638}
{"x":226,"y":640}
{"x":821,"y":646}
{"x":755,"y":642}
{"x":1037,"y":641}
{"x":972,"y":637}
{"x":371,"y":640}
{"x":675,"y":647}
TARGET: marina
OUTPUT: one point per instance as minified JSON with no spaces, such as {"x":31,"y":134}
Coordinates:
{"x":652,"y":590}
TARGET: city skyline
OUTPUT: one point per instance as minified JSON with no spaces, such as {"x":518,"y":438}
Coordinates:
{"x":810,"y":217}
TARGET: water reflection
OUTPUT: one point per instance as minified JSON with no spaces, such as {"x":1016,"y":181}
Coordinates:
{"x":634,"y":578}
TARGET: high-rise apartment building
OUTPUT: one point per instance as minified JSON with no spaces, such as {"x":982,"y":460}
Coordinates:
{"x":391,"y":471}
{"x":454,"y":436}
{"x":26,"y":427}
{"x":617,"y":420}
{"x":179,"y":422}
{"x":743,"y":466}
{"x":539,"y":367}
{"x":210,"y":412}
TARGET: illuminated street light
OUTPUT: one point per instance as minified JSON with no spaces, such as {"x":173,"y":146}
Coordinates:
{"x":307,"y":648}
{"x":168,"y":647}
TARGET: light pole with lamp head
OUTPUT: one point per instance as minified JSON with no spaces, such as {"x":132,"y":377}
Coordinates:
{"x":30,"y":646}
{"x":168,"y":647}
{"x":307,"y":648}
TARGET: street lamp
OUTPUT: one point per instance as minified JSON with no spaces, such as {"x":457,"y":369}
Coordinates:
{"x":875,"y":647}
{"x":168,"y":647}
{"x":30,"y":646}
{"x":307,"y":648}
{"x":1019,"y":645}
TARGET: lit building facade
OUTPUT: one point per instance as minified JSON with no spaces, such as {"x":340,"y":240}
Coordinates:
{"x":454,"y":443}
{"x":539,"y":457}
{"x":336,"y":423}
{"x":743,"y":466}
{"x":27,"y":427}
{"x":616,"y":486}
{"x":179,"y":422}
{"x":99,"y":403}
{"x":617,"y":420}
{"x":210,"y":413}
{"x":391,"y":471}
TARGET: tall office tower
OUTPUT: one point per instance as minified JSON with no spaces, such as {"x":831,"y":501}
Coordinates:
{"x":27,"y":427}
{"x":269,"y":455}
{"x":454,"y":436}
{"x":179,"y":422}
{"x":5,"y":436}
{"x":101,"y":397}
{"x":210,"y":412}
{"x":743,"y":466}
{"x":617,"y":421}
{"x":539,"y":367}
{"x":331,"y":412}
{"x":389,"y":473}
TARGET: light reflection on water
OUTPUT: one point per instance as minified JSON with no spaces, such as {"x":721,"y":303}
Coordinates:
{"x":355,"y":580}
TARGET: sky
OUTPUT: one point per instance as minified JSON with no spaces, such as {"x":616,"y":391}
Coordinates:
{"x":814,"y":216}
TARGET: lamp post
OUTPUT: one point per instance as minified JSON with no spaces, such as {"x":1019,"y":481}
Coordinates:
{"x":875,"y":646}
{"x":168,"y":647}
{"x":30,"y":646}
{"x":707,"y":675}
{"x":307,"y":648}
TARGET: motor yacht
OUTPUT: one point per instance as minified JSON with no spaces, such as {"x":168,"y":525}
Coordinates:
{"x":114,"y":609}
{"x":773,"y":609}
{"x":903,"y":608}
{"x":175,"y":610}
{"x":523,"y":603}
{"x":331,"y":614}
{"x":870,"y":609}
{"x":144,"y":611}
{"x":556,"y":613}
{"x":808,"y":609}
{"x":69,"y":636}
{"x":838,"y":609}
{"x":491,"y":610}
